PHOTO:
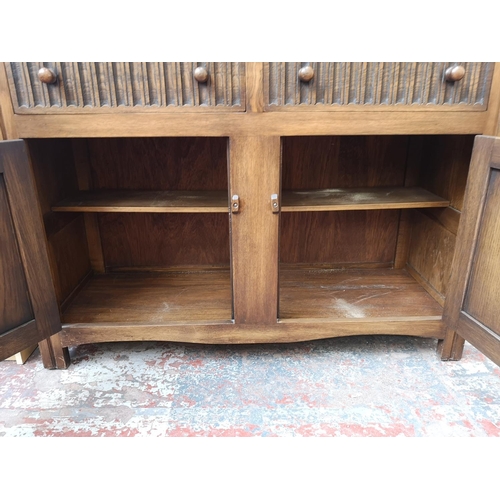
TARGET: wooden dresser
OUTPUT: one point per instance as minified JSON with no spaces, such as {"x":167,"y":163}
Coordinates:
{"x":248,"y":202}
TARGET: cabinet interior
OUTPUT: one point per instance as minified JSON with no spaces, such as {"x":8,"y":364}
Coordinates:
{"x":138,"y":229}
{"x":136,"y":259}
{"x":373,"y":258}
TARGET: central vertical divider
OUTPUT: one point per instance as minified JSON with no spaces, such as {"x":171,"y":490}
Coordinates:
{"x":254,"y":175}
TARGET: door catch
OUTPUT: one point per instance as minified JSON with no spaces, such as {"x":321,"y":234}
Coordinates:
{"x":275,"y":204}
{"x":235,"y":203}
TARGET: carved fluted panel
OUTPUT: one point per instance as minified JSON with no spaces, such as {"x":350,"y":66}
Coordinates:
{"x":377,"y":84}
{"x":126,"y":86}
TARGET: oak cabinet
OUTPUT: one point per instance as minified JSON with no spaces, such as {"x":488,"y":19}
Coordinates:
{"x":266,"y":227}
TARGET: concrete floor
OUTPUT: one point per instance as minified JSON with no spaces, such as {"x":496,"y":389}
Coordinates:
{"x":358,"y":386}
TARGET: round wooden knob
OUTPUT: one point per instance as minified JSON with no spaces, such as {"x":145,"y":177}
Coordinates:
{"x":306,"y":74}
{"x":46,"y":75}
{"x":455,"y":73}
{"x":201,"y":74}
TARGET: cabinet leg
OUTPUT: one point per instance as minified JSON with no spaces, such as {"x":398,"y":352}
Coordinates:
{"x":452,"y":347}
{"x":53,"y":354}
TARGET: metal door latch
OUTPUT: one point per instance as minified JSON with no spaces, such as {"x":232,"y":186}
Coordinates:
{"x":275,"y":204}
{"x":235,"y":203}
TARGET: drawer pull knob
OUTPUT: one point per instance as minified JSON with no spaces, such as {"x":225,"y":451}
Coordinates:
{"x":200,"y":74}
{"x":455,"y":73}
{"x":306,"y":74}
{"x":46,"y":75}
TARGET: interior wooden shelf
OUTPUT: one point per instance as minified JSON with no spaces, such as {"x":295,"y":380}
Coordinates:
{"x":360,"y":199}
{"x":153,"y":298}
{"x":352,"y":293}
{"x":217,"y":201}
{"x":146,"y":201}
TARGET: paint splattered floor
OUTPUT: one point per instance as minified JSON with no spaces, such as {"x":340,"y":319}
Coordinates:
{"x":357,"y":386}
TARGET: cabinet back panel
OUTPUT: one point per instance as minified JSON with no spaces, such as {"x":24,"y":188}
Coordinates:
{"x":323,"y":162}
{"x":165,"y":163}
{"x":341,"y":162}
{"x":365,"y":236}
{"x":164,"y":240}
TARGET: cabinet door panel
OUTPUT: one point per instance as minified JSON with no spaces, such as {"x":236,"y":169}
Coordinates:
{"x":483,"y":292}
{"x":28,"y":308}
{"x":472,"y":308}
{"x":15,"y":305}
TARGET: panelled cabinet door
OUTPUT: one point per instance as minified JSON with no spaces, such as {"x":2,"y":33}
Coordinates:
{"x":473,"y":306}
{"x":28,"y":307}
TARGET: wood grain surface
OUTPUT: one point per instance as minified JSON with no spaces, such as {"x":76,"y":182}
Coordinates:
{"x":486,"y":340}
{"x":348,"y":163}
{"x":431,"y":251}
{"x":69,"y":257}
{"x":7,"y":126}
{"x":255,"y":176}
{"x":15,"y":305}
{"x":483,"y":289}
{"x":153,"y":298}
{"x":353,"y":293}
{"x":339,"y":122}
{"x":228,"y":333}
{"x":170,"y":164}
{"x":56,"y":178}
{"x":470,"y":226}
{"x":445,"y":165}
{"x":360,"y":199}
{"x":216,"y":201}
{"x":389,"y":84}
{"x":448,"y":217}
{"x":146,"y":201}
{"x":342,"y":162}
{"x":85,"y":184}
{"x":28,"y":226}
{"x":164,"y":240}
{"x":444,"y":169}
{"x":107,"y":87}
{"x":339,"y":237}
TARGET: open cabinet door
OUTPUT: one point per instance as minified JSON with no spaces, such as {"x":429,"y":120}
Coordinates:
{"x":28,"y":307}
{"x":472,"y":310}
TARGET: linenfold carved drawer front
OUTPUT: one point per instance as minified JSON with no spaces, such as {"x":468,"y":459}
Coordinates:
{"x":379,"y":86}
{"x":101,"y":87}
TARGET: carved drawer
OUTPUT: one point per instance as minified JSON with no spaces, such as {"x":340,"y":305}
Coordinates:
{"x":377,"y":86}
{"x":103,"y":87}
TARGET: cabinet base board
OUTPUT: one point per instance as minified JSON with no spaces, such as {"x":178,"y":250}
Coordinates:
{"x":227,"y":333}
